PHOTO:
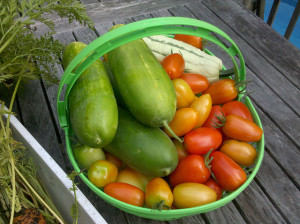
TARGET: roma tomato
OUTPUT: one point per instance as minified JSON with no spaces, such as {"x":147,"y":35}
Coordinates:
{"x":215,"y":117}
{"x":133,"y":177}
{"x":185,"y":119}
{"x":184,"y":93}
{"x":86,"y":155}
{"x":174,"y":65}
{"x":214,"y":185}
{"x":203,"y":105}
{"x":126,"y":193}
{"x":241,"y":152}
{"x":158,"y":194}
{"x":241,"y":129}
{"x":197,"y":82}
{"x":228,"y":173}
{"x":102,"y":172}
{"x":222,"y":91}
{"x":188,"y":195}
{"x":181,"y":151}
{"x":202,"y":140}
{"x":111,"y":158}
{"x":237,"y":108}
{"x":191,"y":169}
{"x":189,"y":39}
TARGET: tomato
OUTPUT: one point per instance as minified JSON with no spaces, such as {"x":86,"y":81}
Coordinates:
{"x":182,"y":153}
{"x":191,"y":169}
{"x":102,"y":172}
{"x":215,"y":117}
{"x":126,"y":193}
{"x":158,"y":194}
{"x":214,"y":185}
{"x":174,"y":65}
{"x":86,"y":155}
{"x":228,"y":173}
{"x":241,"y":152}
{"x":189,"y":195}
{"x":133,"y":177}
{"x":222,"y":91}
{"x":203,"y":105}
{"x":202,"y":140}
{"x":184,"y":93}
{"x":197,"y":82}
{"x":241,"y":129}
{"x":111,"y":158}
{"x":189,"y":39}
{"x":185,"y":119}
{"x":237,"y":108}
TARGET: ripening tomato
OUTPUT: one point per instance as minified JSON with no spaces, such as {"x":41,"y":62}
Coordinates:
{"x":181,"y":151}
{"x":215,"y":117}
{"x":86,"y":155}
{"x":191,"y":169}
{"x":215,"y":186}
{"x":203,"y":105}
{"x":184,"y":93}
{"x":111,"y":158}
{"x":202,"y":140}
{"x":174,"y":65}
{"x":228,"y":173}
{"x":102,"y":172}
{"x":222,"y":91}
{"x":158,"y":194}
{"x":126,"y":193}
{"x":237,"y":108}
{"x":197,"y":82}
{"x":187,"y":195}
{"x":241,"y":152}
{"x":190,"y":39}
{"x":184,"y":120}
{"x":241,"y":129}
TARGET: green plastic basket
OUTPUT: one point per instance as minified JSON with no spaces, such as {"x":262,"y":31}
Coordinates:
{"x":134,"y":31}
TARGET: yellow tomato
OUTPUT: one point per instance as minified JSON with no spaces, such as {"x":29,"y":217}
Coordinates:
{"x":184,"y":93}
{"x":203,"y":105}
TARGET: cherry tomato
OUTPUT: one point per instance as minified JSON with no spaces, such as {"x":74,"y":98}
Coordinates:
{"x":222,"y":91}
{"x":214,"y":185}
{"x":86,"y":155}
{"x":203,"y":105}
{"x":228,"y":173}
{"x":102,"y":172}
{"x":111,"y":158}
{"x":134,"y":178}
{"x":184,"y":93}
{"x":187,"y":195}
{"x":184,"y":120}
{"x":237,"y":108}
{"x":241,"y":152}
{"x":202,"y":140}
{"x":126,"y":193}
{"x":181,"y":151}
{"x":241,"y":129}
{"x":158,"y":194}
{"x":197,"y":82}
{"x":191,"y":169}
{"x":174,"y":65}
{"x":189,"y":39}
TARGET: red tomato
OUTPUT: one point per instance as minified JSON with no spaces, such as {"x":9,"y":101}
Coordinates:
{"x":181,"y":151}
{"x":202,"y":140}
{"x":197,"y":82}
{"x":241,"y":129}
{"x":189,"y":39}
{"x":158,"y":194}
{"x":191,"y":169}
{"x":237,"y":108}
{"x":174,"y":65}
{"x":214,"y":185}
{"x":215,"y":117}
{"x":222,"y":91}
{"x":126,"y":193}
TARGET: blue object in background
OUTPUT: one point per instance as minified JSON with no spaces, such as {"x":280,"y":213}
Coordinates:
{"x":283,"y":17}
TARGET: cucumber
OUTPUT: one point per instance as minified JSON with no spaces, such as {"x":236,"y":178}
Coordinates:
{"x":146,"y":149}
{"x":93,"y":108}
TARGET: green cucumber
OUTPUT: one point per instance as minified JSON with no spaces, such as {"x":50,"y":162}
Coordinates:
{"x":145,"y":149}
{"x":93,"y":108}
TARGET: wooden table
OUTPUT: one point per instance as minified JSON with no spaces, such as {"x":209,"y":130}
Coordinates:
{"x":273,"y":65}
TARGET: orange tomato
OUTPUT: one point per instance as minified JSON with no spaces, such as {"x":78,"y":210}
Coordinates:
{"x":181,"y":151}
{"x":197,"y":82}
{"x":174,"y":65}
{"x":203,"y":105}
{"x":189,"y":39}
{"x":111,"y":158}
{"x":184,"y":93}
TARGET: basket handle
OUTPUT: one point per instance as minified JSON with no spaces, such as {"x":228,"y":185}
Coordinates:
{"x":134,"y":31}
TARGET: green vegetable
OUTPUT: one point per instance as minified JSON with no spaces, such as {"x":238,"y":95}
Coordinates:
{"x":145,"y":149}
{"x":85,"y":155}
{"x":92,"y":105}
